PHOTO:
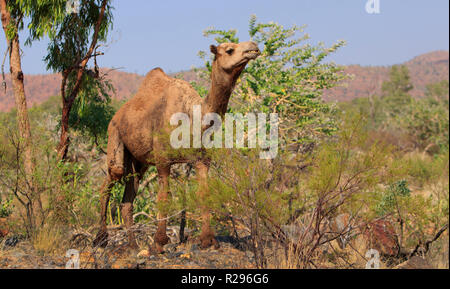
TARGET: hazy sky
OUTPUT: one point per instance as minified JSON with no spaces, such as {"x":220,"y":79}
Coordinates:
{"x":149,"y":33}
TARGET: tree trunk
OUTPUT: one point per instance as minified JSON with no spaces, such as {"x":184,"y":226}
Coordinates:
{"x":64,"y":140}
{"x":17,"y":79}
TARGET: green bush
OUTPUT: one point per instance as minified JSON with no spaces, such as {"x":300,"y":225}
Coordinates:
{"x":5,"y":208}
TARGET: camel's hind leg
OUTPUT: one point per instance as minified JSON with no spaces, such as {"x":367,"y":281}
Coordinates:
{"x":134,"y":174}
{"x":116,"y":170}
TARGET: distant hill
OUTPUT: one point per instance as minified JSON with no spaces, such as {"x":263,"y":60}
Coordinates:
{"x":424,"y":69}
{"x":39,"y":88}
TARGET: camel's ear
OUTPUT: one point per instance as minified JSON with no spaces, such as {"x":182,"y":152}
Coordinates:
{"x":213,"y":49}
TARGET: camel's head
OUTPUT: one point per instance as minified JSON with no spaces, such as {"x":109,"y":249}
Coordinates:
{"x":233,"y":57}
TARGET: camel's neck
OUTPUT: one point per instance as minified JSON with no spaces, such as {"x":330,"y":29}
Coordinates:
{"x":222,"y":85}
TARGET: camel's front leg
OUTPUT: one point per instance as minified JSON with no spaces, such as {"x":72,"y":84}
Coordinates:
{"x":161,"y":238}
{"x":207,"y":238}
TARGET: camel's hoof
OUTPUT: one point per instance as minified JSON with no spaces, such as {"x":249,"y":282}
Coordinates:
{"x":101,"y":240}
{"x":156,"y":249}
{"x":161,"y":240}
{"x":208,"y":242}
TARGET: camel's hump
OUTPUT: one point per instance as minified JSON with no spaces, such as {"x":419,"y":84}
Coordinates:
{"x":156,"y":72}
{"x":156,"y":78}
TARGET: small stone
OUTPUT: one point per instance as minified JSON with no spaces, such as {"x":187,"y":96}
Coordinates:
{"x":143,"y":254}
{"x":186,"y":256}
{"x":11,"y":242}
{"x":18,"y":255}
{"x":171,"y":248}
{"x":415,"y":263}
{"x":141,"y":262}
{"x":191,"y":264}
{"x":174,"y":255}
{"x":194,"y":248}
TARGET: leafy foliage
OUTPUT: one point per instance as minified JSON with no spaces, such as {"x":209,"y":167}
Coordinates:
{"x":288,"y":78}
{"x":422,"y":122}
{"x":93,"y":111}
{"x":389,"y":200}
{"x":73,"y":42}
{"x":5,"y":208}
{"x":50,"y":18}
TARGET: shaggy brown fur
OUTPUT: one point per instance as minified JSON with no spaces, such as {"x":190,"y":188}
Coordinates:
{"x":136,"y":136}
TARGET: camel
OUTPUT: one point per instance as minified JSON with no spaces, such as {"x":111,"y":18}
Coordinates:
{"x":135,"y":142}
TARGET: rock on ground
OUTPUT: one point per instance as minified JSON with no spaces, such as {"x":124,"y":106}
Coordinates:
{"x":415,"y":263}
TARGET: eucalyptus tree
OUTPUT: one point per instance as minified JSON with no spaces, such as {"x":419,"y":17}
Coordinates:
{"x":75,"y":28}
{"x":12,"y":23}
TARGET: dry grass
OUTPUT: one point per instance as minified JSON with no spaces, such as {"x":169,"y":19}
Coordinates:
{"x":49,"y":241}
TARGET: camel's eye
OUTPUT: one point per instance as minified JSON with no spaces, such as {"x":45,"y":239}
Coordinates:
{"x":230,"y":51}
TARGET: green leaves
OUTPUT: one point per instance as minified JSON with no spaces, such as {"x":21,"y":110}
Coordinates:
{"x":44,"y":16}
{"x":253,"y":29}
{"x":400,"y":82}
{"x":223,"y":36}
{"x":422,"y":122}
{"x":288,"y":78}
{"x":73,"y":43}
{"x":6,"y":207}
{"x":427,"y":121}
{"x":49,"y":17}
{"x":92,"y":110}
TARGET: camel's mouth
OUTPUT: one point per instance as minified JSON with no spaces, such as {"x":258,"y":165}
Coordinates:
{"x":248,"y":55}
{"x":252,"y":53}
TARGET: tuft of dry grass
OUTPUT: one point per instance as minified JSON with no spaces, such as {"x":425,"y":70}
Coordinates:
{"x":49,"y":241}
